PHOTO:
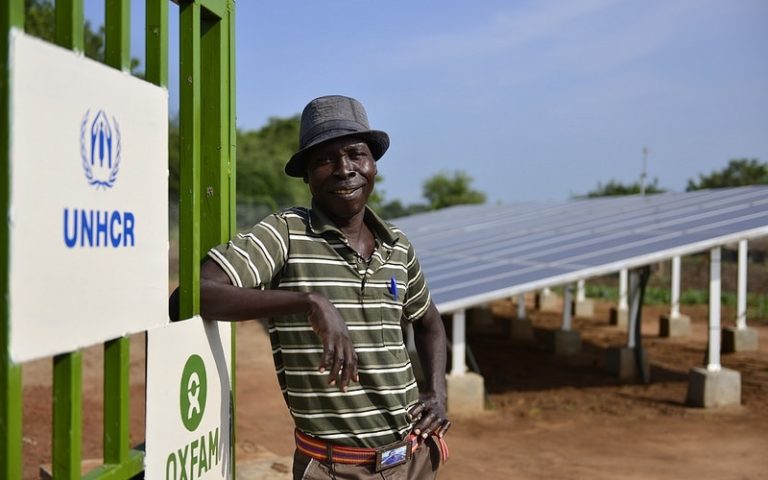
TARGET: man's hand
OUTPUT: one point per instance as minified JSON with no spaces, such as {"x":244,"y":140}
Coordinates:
{"x":339,"y":354}
{"x":429,"y":416}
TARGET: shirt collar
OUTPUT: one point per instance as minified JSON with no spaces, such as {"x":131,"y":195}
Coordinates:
{"x":319,"y":223}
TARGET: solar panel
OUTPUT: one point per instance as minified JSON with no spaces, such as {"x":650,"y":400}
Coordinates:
{"x":480,"y":253}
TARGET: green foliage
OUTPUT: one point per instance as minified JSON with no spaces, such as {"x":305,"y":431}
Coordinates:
{"x":739,"y":172}
{"x":40,"y":21}
{"x":444,"y":190}
{"x":615,"y":188}
{"x":396,"y":209}
{"x":261,"y":157}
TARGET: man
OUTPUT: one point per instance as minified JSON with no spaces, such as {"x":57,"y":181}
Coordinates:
{"x":335,"y":281}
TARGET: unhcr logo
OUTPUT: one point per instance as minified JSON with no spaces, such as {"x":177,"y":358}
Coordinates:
{"x":100,"y":149}
{"x":100,"y":152}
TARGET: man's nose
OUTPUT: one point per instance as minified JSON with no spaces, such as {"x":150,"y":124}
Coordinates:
{"x":344,"y":167}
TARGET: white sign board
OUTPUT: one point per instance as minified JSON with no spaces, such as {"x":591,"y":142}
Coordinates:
{"x":189,"y":401}
{"x":88,"y":201}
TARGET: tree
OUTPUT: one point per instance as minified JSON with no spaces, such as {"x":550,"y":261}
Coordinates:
{"x":444,"y":190}
{"x":261,"y":157}
{"x":739,"y":172}
{"x":615,"y":188}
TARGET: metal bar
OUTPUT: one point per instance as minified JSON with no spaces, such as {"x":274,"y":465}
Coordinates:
{"x":521,"y":306}
{"x":713,"y":343}
{"x":69,"y":24}
{"x":675,"y":300}
{"x":67,"y":412}
{"x":581,"y":291}
{"x":634,"y":308}
{"x":189,"y":125}
{"x":117,"y":352}
{"x":117,"y":355}
{"x":117,"y":51}
{"x":623,"y":305}
{"x":232,"y":144}
{"x":11,"y":464}
{"x":567,"y":307}
{"x":214,"y":126}
{"x":156,"y":49}
{"x":741,"y":297}
{"x":458,"y":344}
{"x":128,"y":469}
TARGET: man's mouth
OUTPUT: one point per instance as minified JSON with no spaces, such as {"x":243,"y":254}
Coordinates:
{"x":345,"y":191}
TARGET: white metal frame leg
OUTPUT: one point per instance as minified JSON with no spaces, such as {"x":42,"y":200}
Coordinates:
{"x":713,"y":354}
{"x":741,"y":300}
{"x":623,"y":305}
{"x":458,"y":339}
{"x":675,"y":287}
{"x":520,"y":306}
{"x":567,"y":299}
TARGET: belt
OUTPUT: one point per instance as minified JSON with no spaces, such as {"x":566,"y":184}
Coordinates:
{"x":331,"y":453}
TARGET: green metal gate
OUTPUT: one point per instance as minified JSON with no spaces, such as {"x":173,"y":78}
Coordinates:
{"x":206,"y":206}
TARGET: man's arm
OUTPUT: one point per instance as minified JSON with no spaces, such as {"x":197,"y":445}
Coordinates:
{"x":429,"y":335}
{"x":220,"y":300}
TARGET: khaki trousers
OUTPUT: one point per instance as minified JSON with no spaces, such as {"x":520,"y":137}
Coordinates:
{"x":423,"y":465}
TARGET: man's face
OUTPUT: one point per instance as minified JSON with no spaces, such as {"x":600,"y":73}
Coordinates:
{"x":340,"y":175}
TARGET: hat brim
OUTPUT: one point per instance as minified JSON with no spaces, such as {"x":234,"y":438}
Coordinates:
{"x":377,"y":141}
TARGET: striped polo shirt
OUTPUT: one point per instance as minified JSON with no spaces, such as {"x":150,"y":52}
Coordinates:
{"x":301,"y":250}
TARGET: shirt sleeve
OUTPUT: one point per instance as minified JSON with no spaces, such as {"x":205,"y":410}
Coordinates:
{"x":253,"y":258}
{"x":417,"y":297}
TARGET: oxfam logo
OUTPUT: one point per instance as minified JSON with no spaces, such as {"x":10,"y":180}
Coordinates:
{"x":193,"y":392}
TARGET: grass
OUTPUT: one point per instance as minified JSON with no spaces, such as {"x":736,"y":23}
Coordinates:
{"x":757,"y":304}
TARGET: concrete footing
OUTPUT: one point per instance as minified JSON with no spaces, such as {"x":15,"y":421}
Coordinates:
{"x":739,"y":340}
{"x":709,"y":389}
{"x":521,"y":330}
{"x":584,"y":308}
{"x":619,"y":317}
{"x":622,"y":362}
{"x":566,"y":342}
{"x":547,"y":302}
{"x":679,"y":326}
{"x":466,"y":393}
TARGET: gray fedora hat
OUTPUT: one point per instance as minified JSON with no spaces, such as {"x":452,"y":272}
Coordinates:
{"x":331,"y":117}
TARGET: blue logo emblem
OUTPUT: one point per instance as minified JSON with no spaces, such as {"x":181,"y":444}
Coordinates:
{"x":100,"y":149}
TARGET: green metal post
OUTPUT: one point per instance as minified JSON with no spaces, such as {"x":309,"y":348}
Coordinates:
{"x":69,"y":24}
{"x":157,"y":42}
{"x":11,"y":15}
{"x":67,"y":415}
{"x":117,"y":353}
{"x":117,"y":51}
{"x":232,"y":199}
{"x":68,"y":367}
{"x":189,"y":125}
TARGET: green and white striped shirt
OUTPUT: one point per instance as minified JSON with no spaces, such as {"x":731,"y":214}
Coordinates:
{"x":302,"y":250}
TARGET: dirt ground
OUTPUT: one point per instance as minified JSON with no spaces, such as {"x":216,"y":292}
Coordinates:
{"x":547,"y":417}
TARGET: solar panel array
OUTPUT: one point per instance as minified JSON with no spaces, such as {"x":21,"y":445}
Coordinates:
{"x":480,"y":253}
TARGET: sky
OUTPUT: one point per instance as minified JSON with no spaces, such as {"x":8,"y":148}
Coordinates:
{"x":536,"y":100}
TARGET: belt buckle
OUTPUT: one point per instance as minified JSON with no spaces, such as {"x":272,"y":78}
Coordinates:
{"x":392,"y":455}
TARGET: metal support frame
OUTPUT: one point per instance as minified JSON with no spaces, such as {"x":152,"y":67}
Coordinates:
{"x":11,"y":16}
{"x":638,"y":280}
{"x":741,"y":296}
{"x":208,"y":26}
{"x":581,"y":291}
{"x":713,"y":340}
{"x":675,"y":288}
{"x":458,"y":343}
{"x":623,"y":284}
{"x":520,"y":306}
{"x":567,"y":315}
